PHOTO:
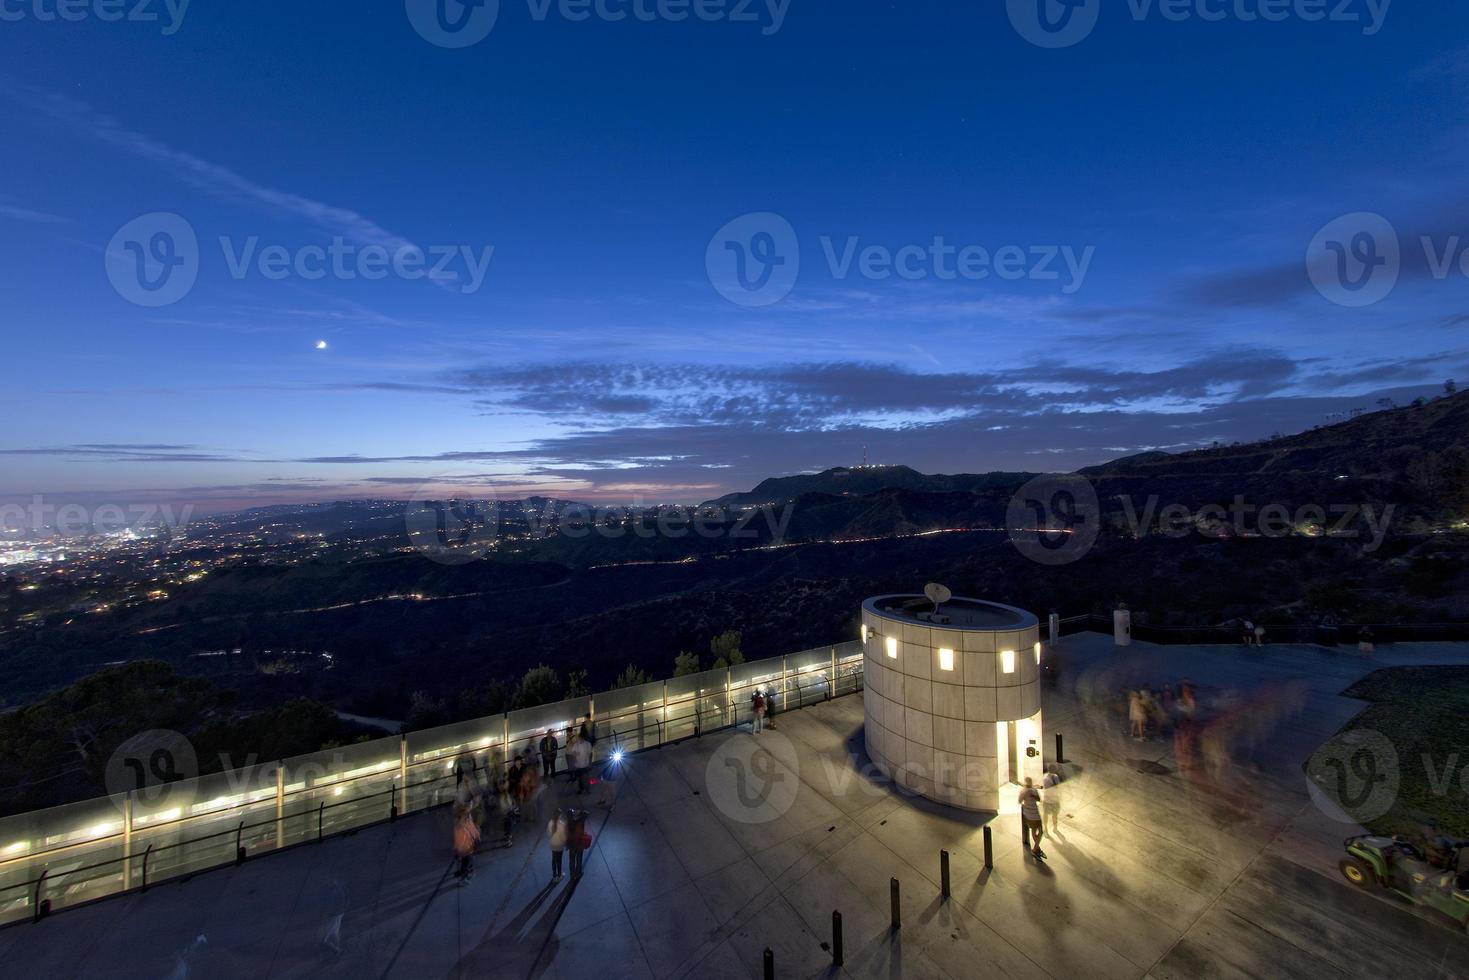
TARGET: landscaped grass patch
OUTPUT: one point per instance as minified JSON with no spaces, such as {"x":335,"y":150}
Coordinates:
{"x":1422,"y":714}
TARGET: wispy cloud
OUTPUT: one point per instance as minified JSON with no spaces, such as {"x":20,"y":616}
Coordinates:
{"x":210,"y":177}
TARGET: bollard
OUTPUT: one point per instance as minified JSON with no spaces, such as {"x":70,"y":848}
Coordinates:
{"x":897,"y":908}
{"x":944,"y":871}
{"x":769,"y":964}
{"x":989,"y":850}
{"x":836,"y":938}
{"x":1060,"y":749}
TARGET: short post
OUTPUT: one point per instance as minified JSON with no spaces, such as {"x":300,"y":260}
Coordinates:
{"x":837,"y":956}
{"x":1060,"y":749}
{"x":944,"y":871}
{"x":989,"y":849}
{"x":897,"y":907}
{"x":40,"y":909}
{"x":769,"y":964}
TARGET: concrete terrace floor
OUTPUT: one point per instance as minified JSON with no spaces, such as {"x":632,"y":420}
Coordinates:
{"x":1149,"y":875}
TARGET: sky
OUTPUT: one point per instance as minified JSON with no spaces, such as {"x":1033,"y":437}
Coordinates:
{"x":275,"y":252}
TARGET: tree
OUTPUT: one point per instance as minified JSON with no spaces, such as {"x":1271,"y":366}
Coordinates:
{"x":577,"y":685}
{"x":725,"y":649}
{"x":631,"y":677}
{"x":540,"y":685}
{"x":425,"y":712}
{"x":685,"y":664}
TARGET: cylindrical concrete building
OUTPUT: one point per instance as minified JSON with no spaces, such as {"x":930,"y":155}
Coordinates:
{"x":953,"y":700}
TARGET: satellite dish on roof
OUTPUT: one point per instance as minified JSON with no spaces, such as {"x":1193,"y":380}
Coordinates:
{"x":937,"y":594}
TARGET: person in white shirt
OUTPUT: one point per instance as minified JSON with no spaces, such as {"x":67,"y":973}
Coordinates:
{"x":1030,"y":816}
{"x":580,"y":755}
{"x":556,"y":837}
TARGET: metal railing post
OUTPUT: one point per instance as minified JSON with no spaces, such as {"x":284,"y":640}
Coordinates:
{"x":665,"y":713}
{"x":403,"y":768}
{"x":320,"y":821}
{"x":837,"y":955}
{"x":146,"y":854}
{"x":944,"y":872}
{"x":39,"y":911}
{"x":280,"y":805}
{"x":897,"y":907}
{"x":729,"y":697}
{"x":831,"y":688}
{"x":240,"y":843}
{"x":127,"y":840}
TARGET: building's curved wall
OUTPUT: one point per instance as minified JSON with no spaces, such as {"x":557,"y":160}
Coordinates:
{"x":943,"y":733}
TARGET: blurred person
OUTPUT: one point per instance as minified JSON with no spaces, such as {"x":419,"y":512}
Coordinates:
{"x":549,"y":748}
{"x":580,"y":758}
{"x":466,"y":842}
{"x":576,"y":840}
{"x":757,"y":708}
{"x":1030,"y":816}
{"x":556,"y":836}
{"x":1137,"y":714}
{"x":1051,"y":802}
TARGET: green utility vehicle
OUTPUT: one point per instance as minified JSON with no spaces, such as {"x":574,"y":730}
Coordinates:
{"x":1437,"y":877}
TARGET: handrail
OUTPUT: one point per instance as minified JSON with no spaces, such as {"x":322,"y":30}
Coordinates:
{"x":266,"y":815}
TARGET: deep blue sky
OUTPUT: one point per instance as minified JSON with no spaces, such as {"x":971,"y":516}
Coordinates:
{"x":597,"y":361}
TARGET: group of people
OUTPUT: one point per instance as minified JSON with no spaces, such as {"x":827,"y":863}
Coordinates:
{"x":1040,"y":809}
{"x":1252,"y":635}
{"x":1158,"y":714}
{"x":513,"y":791}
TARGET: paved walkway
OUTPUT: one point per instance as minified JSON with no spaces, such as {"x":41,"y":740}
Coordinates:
{"x":710,"y":851}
